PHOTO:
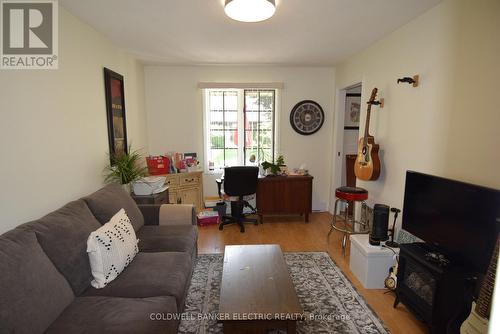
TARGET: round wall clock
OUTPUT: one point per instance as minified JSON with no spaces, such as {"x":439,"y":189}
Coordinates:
{"x":307,"y":117}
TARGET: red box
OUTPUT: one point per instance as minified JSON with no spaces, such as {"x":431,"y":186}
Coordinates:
{"x":158,"y":165}
{"x":208,"y":218}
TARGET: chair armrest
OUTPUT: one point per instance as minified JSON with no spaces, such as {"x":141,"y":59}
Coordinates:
{"x":177,"y":214}
{"x":168,"y":214}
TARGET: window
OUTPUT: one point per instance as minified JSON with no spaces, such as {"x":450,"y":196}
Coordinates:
{"x":240,"y":126}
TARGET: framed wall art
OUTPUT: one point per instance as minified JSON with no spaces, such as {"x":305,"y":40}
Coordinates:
{"x":352,"y":111}
{"x":115,"y":108}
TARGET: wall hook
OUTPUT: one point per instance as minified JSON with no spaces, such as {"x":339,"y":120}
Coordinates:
{"x":379,"y":103}
{"x":414,"y":80}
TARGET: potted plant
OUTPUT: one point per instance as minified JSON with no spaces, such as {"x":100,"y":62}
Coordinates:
{"x":274,"y":168}
{"x":125,"y":168}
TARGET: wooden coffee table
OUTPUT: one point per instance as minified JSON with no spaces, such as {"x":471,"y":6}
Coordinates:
{"x":257,"y":294}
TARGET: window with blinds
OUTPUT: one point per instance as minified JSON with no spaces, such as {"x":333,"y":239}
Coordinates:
{"x":240,"y":126}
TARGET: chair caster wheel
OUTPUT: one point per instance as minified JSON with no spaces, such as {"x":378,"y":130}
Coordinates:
{"x":242,"y":230}
{"x":256,"y":223}
{"x":221,"y":227}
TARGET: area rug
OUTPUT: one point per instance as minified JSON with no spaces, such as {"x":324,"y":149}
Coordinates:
{"x":330,"y":302}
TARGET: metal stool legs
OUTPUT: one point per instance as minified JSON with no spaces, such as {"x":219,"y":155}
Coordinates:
{"x":345,"y":230}
{"x":333,"y":225}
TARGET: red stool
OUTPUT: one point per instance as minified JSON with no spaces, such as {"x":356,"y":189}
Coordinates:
{"x":349,"y":195}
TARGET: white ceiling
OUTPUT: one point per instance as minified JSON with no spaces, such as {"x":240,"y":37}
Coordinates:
{"x":302,"y":32}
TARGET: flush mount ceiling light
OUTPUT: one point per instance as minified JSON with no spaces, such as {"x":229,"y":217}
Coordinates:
{"x":250,"y":10}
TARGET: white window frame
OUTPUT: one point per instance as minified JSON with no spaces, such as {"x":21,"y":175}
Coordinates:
{"x":241,"y":120}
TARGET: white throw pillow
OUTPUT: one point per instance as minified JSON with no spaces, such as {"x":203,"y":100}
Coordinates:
{"x":111,"y":248}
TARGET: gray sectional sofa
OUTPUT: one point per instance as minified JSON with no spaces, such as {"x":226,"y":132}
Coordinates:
{"x":45,"y":272}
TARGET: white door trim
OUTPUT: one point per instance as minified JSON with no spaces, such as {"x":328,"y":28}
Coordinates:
{"x":338,"y":140}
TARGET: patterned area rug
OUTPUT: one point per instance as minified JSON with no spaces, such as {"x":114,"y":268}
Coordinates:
{"x":330,"y":302}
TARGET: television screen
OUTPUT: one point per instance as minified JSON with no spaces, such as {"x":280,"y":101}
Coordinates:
{"x":460,"y":218}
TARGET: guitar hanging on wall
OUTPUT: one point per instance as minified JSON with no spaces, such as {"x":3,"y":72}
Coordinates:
{"x":367,"y":165}
{"x":477,"y":322}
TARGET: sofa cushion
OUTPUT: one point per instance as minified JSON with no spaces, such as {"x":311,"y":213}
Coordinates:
{"x":149,"y":275}
{"x":111,"y":248}
{"x":32,"y":292}
{"x":63,"y":236}
{"x":106,"y":202}
{"x":178,"y":238}
{"x":95,"y":315}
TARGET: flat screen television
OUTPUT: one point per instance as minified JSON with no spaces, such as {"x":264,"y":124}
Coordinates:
{"x":460,"y":219}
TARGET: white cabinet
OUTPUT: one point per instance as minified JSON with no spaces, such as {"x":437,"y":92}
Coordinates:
{"x":186,"y":188}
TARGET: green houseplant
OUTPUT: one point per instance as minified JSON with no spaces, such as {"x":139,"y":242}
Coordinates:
{"x":125,"y":168}
{"x":274,"y":168}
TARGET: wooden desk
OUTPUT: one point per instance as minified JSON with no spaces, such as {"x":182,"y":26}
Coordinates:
{"x":284,"y":195}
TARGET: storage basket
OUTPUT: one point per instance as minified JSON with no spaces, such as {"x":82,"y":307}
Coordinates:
{"x":158,"y":165}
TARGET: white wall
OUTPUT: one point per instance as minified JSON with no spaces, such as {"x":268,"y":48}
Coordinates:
{"x":53,"y":134}
{"x":473,"y":139}
{"x":447,"y":126}
{"x":175,"y":115}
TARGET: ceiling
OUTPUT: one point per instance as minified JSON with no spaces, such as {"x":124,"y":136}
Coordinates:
{"x":302,"y":32}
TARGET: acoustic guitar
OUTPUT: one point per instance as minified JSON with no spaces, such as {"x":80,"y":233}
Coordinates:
{"x":367,"y":165}
{"x":477,"y":322}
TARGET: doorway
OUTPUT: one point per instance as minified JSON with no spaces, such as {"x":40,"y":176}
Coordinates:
{"x":346,"y":137}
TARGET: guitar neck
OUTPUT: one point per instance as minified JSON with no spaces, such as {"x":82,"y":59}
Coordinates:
{"x":367,"y":124}
{"x":368,"y":113}
{"x":483,"y":305}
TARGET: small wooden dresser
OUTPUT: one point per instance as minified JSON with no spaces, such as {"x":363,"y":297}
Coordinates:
{"x":186,"y":188}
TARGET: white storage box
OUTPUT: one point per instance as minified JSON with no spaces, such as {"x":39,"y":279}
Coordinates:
{"x":149,"y":185}
{"x":370,"y":264}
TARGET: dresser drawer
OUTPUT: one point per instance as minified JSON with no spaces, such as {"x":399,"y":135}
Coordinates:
{"x":190,"y":180}
{"x":172,"y":180}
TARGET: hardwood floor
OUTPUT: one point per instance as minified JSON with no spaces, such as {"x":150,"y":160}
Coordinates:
{"x":293,"y":235}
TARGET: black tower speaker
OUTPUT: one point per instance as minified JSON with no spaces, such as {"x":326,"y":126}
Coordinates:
{"x":380,"y":224}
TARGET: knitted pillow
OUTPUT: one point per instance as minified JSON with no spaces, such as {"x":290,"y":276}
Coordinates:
{"x":111,"y":249}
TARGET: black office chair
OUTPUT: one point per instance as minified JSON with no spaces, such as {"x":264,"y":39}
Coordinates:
{"x":239,"y":182}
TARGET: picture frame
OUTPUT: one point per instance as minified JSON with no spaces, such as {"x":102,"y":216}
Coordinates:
{"x":352,"y":111}
{"x":115,"y":111}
